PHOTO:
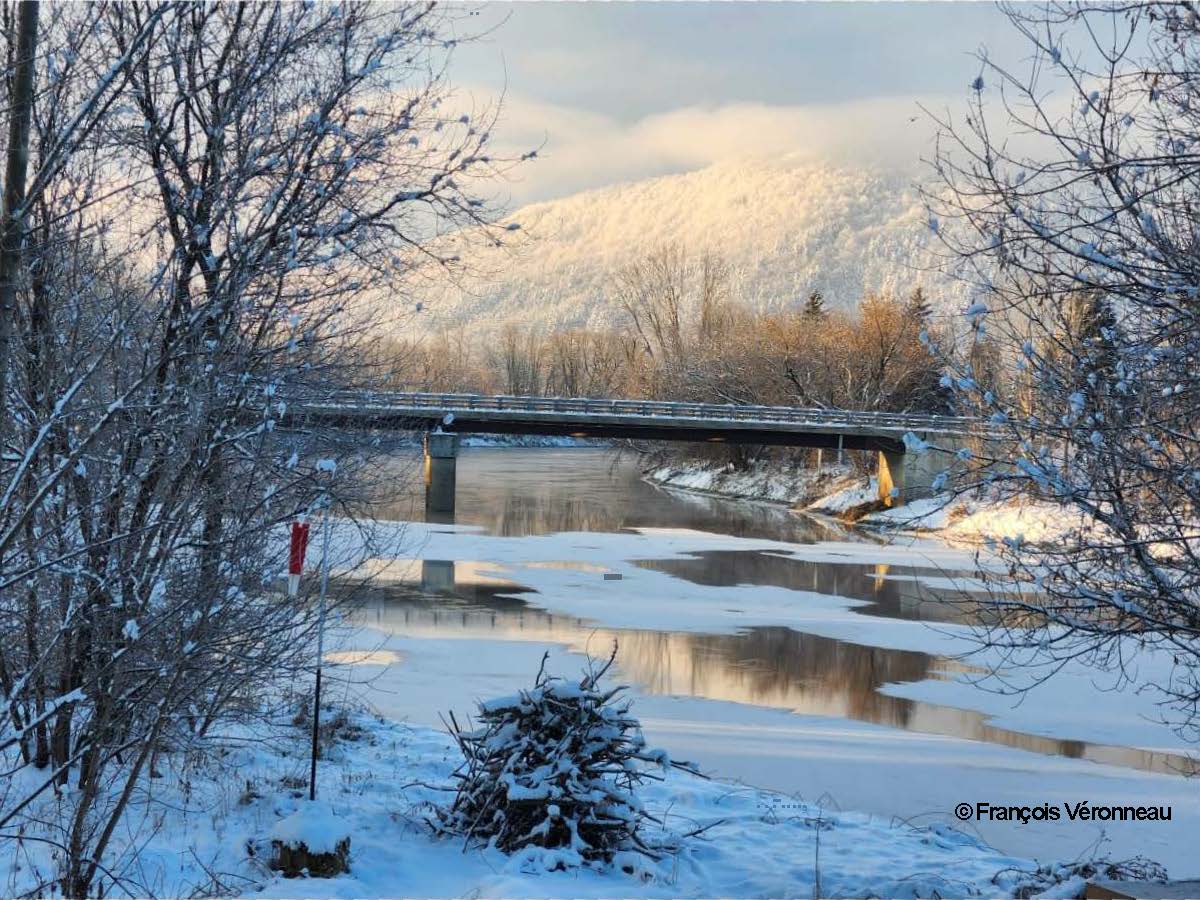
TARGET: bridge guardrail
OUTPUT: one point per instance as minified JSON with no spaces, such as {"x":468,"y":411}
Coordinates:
{"x":398,"y":403}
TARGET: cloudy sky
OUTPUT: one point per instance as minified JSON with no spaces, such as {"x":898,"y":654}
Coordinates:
{"x":619,"y":91}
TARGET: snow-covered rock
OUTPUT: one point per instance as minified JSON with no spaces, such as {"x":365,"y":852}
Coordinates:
{"x":314,"y":825}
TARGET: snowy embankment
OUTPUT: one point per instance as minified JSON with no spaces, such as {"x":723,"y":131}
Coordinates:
{"x":966,"y":518}
{"x":521,"y":441}
{"x":216,"y":814}
{"x":525,"y":441}
{"x":839,"y":493}
{"x":771,"y":482}
{"x":915,"y":775}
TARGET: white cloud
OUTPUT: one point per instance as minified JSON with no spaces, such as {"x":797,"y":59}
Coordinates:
{"x":585,"y":149}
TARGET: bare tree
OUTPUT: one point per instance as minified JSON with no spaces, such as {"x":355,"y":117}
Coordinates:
{"x":22,"y":47}
{"x":677,"y":306}
{"x":446,"y":362}
{"x":887,"y":366}
{"x":1079,"y":236}
{"x":585,"y":363}
{"x":519,"y":361}
{"x":653,"y":294}
{"x":199,"y":256}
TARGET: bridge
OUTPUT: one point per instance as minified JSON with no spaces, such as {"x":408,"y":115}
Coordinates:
{"x":902,"y":475}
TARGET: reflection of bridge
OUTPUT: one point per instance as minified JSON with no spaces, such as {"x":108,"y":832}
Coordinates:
{"x":771,"y":666}
{"x":445,"y":416}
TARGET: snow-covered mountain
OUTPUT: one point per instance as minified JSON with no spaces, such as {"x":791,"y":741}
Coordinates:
{"x":785,"y":227}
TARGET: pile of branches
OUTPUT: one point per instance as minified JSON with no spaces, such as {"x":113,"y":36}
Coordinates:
{"x":1023,"y":884}
{"x":558,"y":767}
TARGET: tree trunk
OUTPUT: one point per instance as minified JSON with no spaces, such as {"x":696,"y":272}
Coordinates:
{"x":12,"y":227}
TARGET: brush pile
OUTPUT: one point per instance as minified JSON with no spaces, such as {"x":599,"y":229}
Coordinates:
{"x":557,"y":767}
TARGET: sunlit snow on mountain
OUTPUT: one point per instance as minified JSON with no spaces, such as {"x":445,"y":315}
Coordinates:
{"x":785,"y":227}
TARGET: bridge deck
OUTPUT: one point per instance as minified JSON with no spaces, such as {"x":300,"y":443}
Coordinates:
{"x":644,"y":419}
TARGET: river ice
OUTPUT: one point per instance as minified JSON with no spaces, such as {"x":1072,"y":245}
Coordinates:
{"x":918,"y":772}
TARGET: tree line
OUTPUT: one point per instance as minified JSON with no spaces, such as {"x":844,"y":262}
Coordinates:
{"x":683,"y":334}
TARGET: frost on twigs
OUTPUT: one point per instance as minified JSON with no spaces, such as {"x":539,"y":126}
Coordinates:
{"x":553,"y":772}
{"x":1022,"y":883}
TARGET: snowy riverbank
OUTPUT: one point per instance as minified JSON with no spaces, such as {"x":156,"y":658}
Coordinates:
{"x":951,"y":738}
{"x":214,"y":814}
{"x":770,"y":482}
{"x":967,"y":518}
{"x":862,"y":802}
{"x":527,"y":441}
{"x":839,"y":493}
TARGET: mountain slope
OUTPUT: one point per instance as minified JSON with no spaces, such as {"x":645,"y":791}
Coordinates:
{"x":784,"y":227}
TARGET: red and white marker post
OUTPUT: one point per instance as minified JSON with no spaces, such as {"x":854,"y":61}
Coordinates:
{"x":296,"y":556}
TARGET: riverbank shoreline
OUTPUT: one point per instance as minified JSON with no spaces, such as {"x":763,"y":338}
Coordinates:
{"x":782,"y":656}
{"x":779,"y":484}
{"x":843,"y":495}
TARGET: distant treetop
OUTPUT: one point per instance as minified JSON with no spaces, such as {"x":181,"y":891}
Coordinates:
{"x":814,"y":307}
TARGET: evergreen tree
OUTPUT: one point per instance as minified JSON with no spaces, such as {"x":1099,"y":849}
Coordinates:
{"x":918,"y":308}
{"x":814,"y":308}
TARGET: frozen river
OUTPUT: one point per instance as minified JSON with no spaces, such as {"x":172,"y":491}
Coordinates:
{"x":770,"y":648}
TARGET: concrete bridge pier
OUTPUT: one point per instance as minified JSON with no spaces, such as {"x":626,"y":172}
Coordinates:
{"x":437,"y":576}
{"x":441,"y":461}
{"x":905,"y":476}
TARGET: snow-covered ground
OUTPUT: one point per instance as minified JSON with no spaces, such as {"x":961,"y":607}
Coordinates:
{"x":205,"y":825}
{"x":208,"y":825}
{"x":956,"y":518}
{"x":529,"y":440}
{"x":968,"y":517}
{"x":522,"y":441}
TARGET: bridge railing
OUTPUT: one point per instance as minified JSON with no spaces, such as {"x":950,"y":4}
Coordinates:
{"x":398,"y":403}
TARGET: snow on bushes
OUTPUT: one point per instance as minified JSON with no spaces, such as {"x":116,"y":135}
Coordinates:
{"x":1070,"y":879}
{"x":553,"y":773}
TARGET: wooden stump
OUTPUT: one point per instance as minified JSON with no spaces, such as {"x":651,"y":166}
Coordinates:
{"x":297,"y":860}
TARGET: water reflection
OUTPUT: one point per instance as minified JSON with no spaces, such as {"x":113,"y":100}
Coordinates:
{"x":517,"y":492}
{"x":527,"y":492}
{"x":894,"y":592}
{"x":764,"y":666}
